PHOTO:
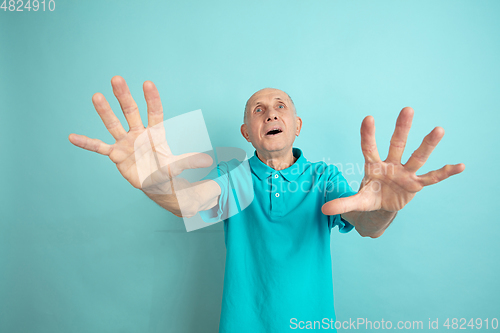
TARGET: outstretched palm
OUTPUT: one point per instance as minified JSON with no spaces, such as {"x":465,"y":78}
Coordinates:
{"x":388,"y":185}
{"x":142,"y":155}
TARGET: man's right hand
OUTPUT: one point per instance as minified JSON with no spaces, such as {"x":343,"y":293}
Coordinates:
{"x":124,"y":152}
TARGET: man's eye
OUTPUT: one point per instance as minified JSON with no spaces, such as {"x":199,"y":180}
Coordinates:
{"x":258,"y":110}
{"x":281,"y":106}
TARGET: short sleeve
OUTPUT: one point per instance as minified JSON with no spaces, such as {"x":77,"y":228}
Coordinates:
{"x":234,"y":179}
{"x":215,"y":213}
{"x":337,"y":187}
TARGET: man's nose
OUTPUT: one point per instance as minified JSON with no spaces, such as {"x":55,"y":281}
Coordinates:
{"x":272,"y":116}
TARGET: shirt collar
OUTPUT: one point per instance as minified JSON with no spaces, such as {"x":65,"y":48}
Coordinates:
{"x":263,"y":171}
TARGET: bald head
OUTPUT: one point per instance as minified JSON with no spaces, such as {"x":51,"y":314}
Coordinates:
{"x":254,"y":100}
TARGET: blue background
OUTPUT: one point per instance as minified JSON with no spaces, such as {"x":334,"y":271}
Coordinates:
{"x":83,"y":251}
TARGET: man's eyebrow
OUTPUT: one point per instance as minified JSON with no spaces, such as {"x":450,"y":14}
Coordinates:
{"x":259,"y":102}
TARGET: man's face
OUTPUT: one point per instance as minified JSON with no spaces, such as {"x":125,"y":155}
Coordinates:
{"x":271,"y":124}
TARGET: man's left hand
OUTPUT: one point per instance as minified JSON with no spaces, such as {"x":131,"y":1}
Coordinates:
{"x":389,"y":185}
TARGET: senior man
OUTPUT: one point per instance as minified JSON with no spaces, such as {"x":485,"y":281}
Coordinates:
{"x":278,"y":263}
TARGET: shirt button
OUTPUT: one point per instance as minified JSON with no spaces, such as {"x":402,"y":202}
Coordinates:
{"x":276,"y":176}
{"x":277,"y":195}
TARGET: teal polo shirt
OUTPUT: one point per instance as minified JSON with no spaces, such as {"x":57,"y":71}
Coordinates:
{"x":278,"y":262}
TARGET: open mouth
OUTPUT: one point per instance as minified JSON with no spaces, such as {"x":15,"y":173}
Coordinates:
{"x":274,"y":131}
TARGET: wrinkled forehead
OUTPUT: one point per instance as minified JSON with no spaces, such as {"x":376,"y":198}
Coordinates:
{"x":268,"y":95}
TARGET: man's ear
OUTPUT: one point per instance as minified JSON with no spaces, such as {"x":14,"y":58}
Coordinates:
{"x":244,"y":132}
{"x":299,"y":125}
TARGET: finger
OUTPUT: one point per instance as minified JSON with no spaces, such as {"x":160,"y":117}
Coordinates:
{"x":368,"y":143}
{"x":436,"y":176}
{"x":127,"y":103}
{"x":155,"y":109}
{"x":398,"y":140}
{"x":108,"y":117}
{"x":420,"y":156}
{"x":190,"y":161}
{"x":87,"y":143}
{"x":342,"y":205}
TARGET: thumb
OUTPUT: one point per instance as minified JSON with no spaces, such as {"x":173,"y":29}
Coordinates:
{"x":342,"y":205}
{"x":190,"y":161}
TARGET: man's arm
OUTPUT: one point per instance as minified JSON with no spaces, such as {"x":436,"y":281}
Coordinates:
{"x":388,"y":185}
{"x":197,"y":197}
